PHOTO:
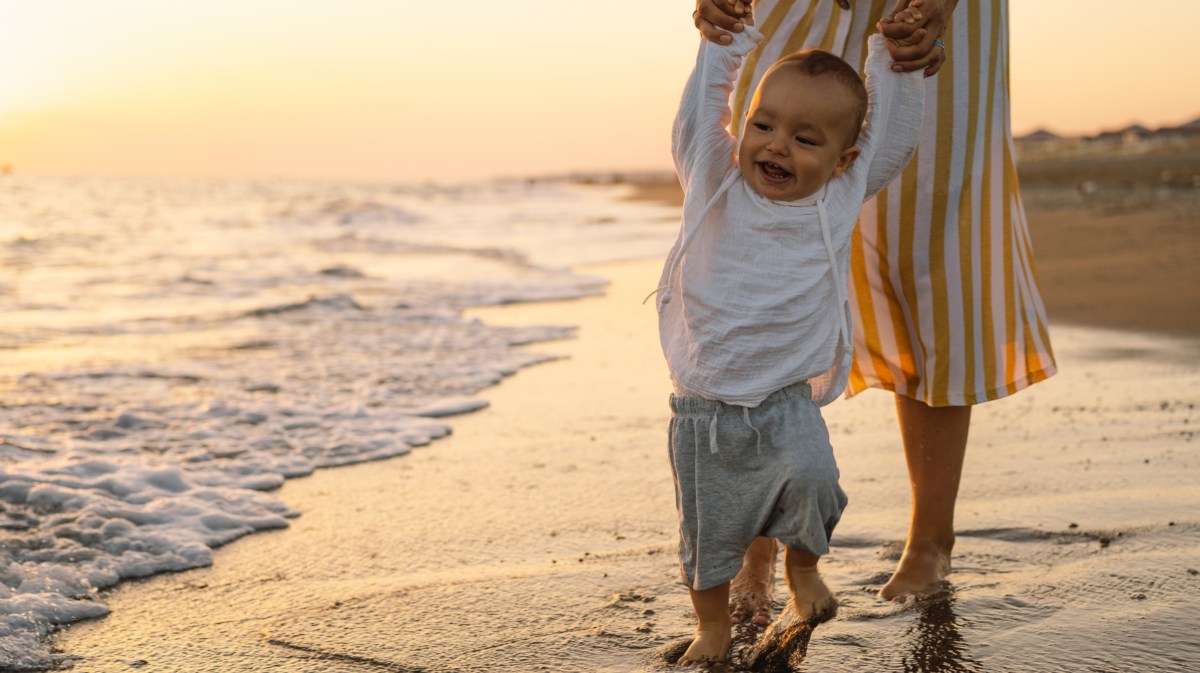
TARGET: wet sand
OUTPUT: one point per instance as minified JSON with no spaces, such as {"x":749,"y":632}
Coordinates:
{"x":540,"y":535}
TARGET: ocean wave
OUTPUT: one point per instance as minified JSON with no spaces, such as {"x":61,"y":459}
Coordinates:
{"x":175,"y":350}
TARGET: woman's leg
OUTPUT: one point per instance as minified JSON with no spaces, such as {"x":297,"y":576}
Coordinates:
{"x":935,"y":443}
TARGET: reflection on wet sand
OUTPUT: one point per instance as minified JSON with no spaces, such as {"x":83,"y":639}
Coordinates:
{"x":935,"y":643}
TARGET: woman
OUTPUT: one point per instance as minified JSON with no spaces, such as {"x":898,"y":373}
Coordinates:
{"x":948,"y":313}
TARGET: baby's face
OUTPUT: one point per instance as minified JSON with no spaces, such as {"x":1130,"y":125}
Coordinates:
{"x":797,"y":135}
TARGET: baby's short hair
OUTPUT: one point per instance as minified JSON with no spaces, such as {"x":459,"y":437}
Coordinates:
{"x":819,"y":63}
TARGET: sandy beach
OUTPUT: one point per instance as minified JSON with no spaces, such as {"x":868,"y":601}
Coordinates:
{"x":540,"y":535}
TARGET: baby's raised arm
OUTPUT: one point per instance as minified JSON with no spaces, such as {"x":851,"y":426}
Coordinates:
{"x":896,"y":105}
{"x":700,"y":140}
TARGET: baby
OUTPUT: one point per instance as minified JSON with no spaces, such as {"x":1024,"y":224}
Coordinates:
{"x":754,"y":317}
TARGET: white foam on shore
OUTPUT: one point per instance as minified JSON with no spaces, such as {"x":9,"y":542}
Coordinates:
{"x":174,"y":350}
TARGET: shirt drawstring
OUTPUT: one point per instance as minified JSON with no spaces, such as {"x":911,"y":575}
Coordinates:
{"x":664,"y":291}
{"x":837,"y":285}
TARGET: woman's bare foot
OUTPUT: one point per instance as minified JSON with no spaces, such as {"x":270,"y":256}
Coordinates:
{"x":711,"y":646}
{"x":922,"y":571}
{"x":750,"y":592}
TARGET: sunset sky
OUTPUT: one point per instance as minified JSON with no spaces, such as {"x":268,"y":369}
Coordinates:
{"x":456,"y":91}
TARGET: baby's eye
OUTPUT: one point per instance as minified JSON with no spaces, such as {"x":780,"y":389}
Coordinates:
{"x":803,"y":140}
{"x":761,"y":126}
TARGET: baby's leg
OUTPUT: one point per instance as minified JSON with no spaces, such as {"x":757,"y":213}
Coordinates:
{"x":713,"y":633}
{"x":813,"y":600}
{"x":750,"y":593}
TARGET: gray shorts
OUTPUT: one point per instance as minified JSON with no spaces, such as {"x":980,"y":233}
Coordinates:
{"x":743,"y":472}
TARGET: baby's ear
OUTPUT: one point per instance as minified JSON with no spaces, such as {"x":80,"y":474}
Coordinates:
{"x":847,"y":157}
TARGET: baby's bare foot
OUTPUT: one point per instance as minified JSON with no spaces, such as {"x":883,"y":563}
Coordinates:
{"x":711,"y":646}
{"x":750,"y":592}
{"x":814,"y":602}
{"x":784,"y":644}
{"x":750,"y":608}
{"x":922,"y":572}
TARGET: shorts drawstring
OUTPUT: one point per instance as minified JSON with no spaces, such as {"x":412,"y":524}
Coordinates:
{"x":757,"y":434}
{"x":712,"y":431}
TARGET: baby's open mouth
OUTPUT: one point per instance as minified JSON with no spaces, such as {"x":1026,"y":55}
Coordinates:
{"x":773,"y":171}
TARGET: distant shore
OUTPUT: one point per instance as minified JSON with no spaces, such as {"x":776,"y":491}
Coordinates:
{"x":1115,"y":239}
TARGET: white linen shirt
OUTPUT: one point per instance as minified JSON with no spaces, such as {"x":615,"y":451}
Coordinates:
{"x":753,"y":294}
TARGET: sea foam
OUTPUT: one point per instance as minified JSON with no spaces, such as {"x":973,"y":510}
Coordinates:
{"x":176,"y":350}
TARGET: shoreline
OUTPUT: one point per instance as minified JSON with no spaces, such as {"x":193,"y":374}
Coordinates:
{"x":501,"y":508}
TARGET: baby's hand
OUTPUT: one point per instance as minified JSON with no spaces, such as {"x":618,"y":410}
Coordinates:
{"x":913,"y":32}
{"x":746,"y":11}
{"x":908,"y":24}
{"x":714,"y":17}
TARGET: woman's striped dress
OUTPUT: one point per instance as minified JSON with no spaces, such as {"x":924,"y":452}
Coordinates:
{"x":947,"y":304}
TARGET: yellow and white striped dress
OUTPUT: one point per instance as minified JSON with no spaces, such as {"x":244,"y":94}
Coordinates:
{"x":942,"y":276}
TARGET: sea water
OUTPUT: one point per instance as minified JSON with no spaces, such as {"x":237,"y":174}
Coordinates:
{"x":173,"y":350}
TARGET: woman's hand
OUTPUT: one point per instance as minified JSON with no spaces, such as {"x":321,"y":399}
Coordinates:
{"x":914,"y":32}
{"x":715,"y":17}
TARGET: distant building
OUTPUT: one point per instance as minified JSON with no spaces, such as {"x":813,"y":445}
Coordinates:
{"x":1135,"y":138}
{"x":1039,"y":136}
{"x":1188,"y":130}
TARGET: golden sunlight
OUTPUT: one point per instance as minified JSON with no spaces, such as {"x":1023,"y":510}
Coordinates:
{"x":417,"y":91}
